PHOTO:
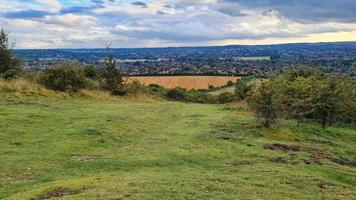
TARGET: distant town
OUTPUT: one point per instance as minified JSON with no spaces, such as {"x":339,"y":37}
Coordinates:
{"x":337,"y":58}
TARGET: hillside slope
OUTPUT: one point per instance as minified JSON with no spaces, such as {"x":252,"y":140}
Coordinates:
{"x":91,"y":149}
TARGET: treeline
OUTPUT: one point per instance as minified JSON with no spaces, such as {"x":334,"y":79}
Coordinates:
{"x":303,"y":94}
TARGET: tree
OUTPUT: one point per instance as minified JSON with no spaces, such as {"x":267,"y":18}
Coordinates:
{"x":10,"y":67}
{"x":264,"y":101}
{"x":113,"y":77}
{"x":348,"y":112}
{"x":327,"y":101}
{"x":297,"y":96}
{"x":242,"y":88}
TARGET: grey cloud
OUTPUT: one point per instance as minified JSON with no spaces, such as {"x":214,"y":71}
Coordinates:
{"x":140,"y":3}
{"x":306,"y":11}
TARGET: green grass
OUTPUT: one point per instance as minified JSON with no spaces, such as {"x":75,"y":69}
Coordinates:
{"x":226,"y":89}
{"x":78,"y":148}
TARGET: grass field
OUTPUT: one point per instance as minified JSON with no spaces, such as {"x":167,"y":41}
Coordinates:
{"x":222,"y":90}
{"x":188,"y":82}
{"x":77,"y":148}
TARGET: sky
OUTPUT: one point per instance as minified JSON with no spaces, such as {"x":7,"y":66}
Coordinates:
{"x":162,"y":23}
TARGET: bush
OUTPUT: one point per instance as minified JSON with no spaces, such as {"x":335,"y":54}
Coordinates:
{"x":200,"y":97}
{"x":305,"y":94}
{"x":119,"y":92}
{"x":229,"y":83}
{"x":177,"y":93}
{"x":243,"y":87}
{"x":136,"y":87}
{"x":211,"y":87}
{"x":90,"y":71}
{"x":226,"y":97}
{"x":63,"y":78}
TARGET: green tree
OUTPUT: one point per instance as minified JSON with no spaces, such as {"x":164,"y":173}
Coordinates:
{"x":348,"y":112}
{"x":10,"y":67}
{"x":297,"y":96}
{"x":264,"y":101}
{"x":113,"y":77}
{"x":242,"y":88}
{"x":328,"y":101}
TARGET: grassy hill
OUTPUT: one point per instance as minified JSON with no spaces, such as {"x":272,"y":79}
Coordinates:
{"x":79,"y":148}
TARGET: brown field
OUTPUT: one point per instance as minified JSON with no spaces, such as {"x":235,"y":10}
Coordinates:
{"x":188,"y":82}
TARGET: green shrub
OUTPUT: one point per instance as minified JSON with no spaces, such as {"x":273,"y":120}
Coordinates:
{"x":226,"y":97}
{"x":243,"y":87}
{"x":63,"y":78}
{"x":119,"y":92}
{"x":177,"y":93}
{"x":135,"y":87}
{"x":229,"y":83}
{"x":90,"y":71}
{"x":92,"y":84}
{"x":211,"y":87}
{"x":200,"y":97}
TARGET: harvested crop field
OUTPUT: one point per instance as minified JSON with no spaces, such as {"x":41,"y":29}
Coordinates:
{"x":188,"y":82}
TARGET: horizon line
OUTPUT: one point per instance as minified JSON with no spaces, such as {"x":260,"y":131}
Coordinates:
{"x":202,"y":46}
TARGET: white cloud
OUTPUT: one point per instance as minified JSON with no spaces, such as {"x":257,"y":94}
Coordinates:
{"x":161,"y":23}
{"x":70,"y":20}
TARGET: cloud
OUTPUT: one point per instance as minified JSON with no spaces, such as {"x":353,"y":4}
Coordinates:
{"x":144,"y":23}
{"x":70,"y":20}
{"x":307,"y":11}
{"x":140,"y":3}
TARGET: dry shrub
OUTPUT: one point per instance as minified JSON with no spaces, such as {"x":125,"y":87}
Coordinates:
{"x":25,"y":86}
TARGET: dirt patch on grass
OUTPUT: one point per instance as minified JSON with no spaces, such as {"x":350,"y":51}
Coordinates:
{"x":318,"y":156}
{"x":283,"y":147}
{"x":279,"y":160}
{"x":227,"y":137}
{"x":344,"y":161}
{"x":241,"y":162}
{"x":59,"y":192}
{"x":93,"y":132}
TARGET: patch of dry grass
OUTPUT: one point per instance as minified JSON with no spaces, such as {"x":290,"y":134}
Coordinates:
{"x":27,"y":87}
